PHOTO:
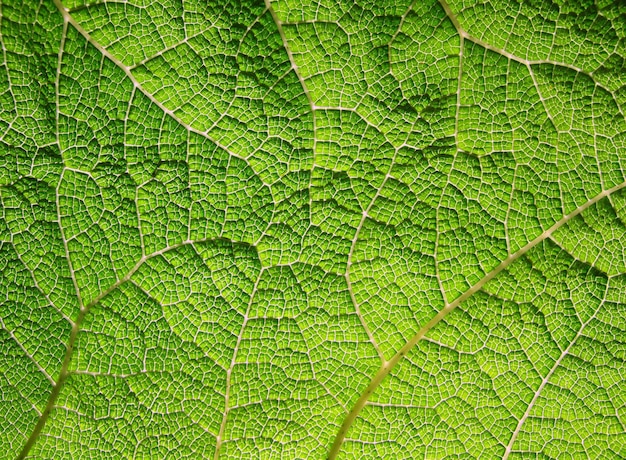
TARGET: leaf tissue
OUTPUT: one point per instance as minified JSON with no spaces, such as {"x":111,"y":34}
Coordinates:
{"x":307,"y":229}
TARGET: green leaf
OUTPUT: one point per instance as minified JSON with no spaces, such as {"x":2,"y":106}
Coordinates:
{"x":312,"y":229}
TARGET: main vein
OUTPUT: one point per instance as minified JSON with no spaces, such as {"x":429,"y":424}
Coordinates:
{"x":386,"y":368}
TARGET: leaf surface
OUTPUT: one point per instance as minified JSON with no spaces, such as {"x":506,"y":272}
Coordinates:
{"x":312,"y":229}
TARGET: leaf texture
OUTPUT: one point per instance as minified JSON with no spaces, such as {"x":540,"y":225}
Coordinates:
{"x":312,"y":229}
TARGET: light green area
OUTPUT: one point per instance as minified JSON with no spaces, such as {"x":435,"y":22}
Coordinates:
{"x":222,"y":226}
{"x":464,"y":389}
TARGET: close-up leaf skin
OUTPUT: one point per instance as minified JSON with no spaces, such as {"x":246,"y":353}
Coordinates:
{"x":278,"y":229}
